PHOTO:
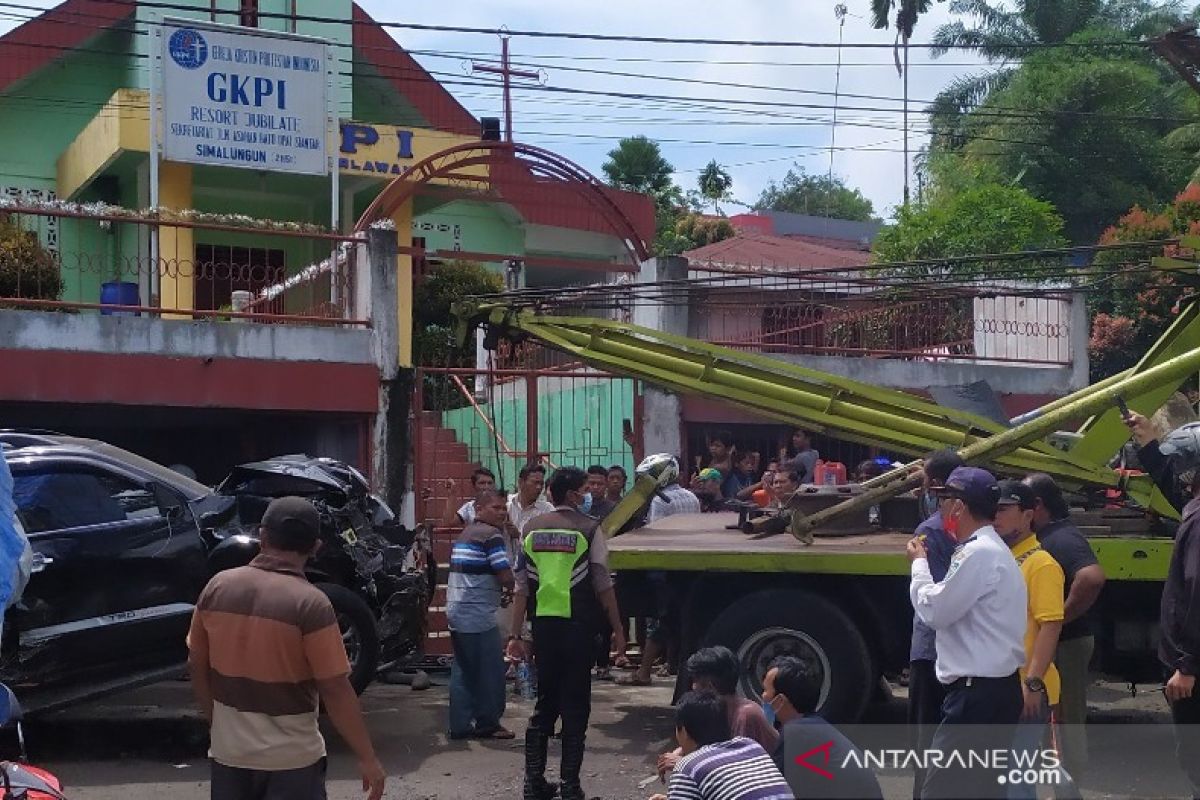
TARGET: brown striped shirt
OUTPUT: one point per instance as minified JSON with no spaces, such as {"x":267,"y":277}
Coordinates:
{"x":268,"y":636}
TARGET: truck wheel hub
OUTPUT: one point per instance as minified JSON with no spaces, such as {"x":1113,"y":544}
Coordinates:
{"x":768,"y":644}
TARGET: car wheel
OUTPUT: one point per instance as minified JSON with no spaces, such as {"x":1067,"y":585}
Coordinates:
{"x":360,"y":634}
{"x":762,"y":626}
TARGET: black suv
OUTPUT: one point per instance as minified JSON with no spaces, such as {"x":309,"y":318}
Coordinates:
{"x":122,"y":547}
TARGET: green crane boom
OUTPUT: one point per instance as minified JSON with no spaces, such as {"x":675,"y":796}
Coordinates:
{"x":860,"y":412}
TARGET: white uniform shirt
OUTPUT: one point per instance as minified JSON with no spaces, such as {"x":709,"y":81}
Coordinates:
{"x":978,"y":611}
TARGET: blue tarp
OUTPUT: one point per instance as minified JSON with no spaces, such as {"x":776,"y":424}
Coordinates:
{"x":12,"y":545}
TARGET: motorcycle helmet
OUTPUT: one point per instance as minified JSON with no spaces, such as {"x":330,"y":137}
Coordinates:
{"x":661,"y":467}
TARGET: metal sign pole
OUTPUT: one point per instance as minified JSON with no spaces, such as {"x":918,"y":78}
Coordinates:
{"x":331,"y":133}
{"x":156,"y":46}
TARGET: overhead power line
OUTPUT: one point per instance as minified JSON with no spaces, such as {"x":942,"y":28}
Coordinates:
{"x":607,"y":37}
{"x":456,"y":79}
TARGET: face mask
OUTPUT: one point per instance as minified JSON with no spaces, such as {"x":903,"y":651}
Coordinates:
{"x":769,"y":711}
{"x":586,"y":505}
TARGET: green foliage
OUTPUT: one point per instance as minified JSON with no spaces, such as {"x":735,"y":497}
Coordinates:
{"x":817,"y":195}
{"x":447,"y":284}
{"x":433,"y":341}
{"x":715,"y":183}
{"x":906,"y":13}
{"x":1085,"y":133}
{"x":700,"y":230}
{"x":985,"y":219}
{"x":1130,"y":309}
{"x":637,"y":165}
{"x":1004,"y":34}
{"x":27,"y":270}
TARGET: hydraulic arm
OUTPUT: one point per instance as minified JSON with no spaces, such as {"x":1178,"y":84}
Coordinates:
{"x":863,"y":413}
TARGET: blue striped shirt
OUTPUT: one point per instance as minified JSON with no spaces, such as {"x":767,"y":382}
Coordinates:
{"x":735,"y":770}
{"x":473,"y":590}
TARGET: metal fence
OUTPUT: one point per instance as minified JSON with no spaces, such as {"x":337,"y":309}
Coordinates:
{"x":117,"y":262}
{"x":793,"y":317}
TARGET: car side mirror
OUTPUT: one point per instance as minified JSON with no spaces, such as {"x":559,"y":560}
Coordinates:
{"x":169,"y":502}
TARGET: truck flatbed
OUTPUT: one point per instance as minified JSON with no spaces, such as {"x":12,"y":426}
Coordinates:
{"x":703,"y":543}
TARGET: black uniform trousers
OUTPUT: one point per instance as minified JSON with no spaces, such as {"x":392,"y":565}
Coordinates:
{"x":1186,"y":714}
{"x":563,"y":652}
{"x":979,"y":716}
{"x":925,"y":697}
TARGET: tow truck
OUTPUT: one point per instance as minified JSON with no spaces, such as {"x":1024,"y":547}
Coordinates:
{"x":835,"y":591}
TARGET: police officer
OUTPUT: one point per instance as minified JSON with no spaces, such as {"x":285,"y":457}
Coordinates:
{"x":979,"y":614}
{"x":563,"y":582}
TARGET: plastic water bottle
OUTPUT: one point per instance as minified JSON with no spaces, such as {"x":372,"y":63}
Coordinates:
{"x":526,"y":680}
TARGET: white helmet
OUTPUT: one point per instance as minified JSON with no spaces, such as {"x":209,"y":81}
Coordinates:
{"x":1184,"y":444}
{"x":662,"y":467}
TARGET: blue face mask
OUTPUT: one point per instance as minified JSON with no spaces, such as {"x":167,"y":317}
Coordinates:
{"x":769,"y":712}
{"x":586,"y":505}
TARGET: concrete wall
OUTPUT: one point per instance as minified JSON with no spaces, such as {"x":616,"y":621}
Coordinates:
{"x":920,"y":375}
{"x":91,"y":333}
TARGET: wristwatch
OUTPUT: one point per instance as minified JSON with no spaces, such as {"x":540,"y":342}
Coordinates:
{"x":1035,"y":685}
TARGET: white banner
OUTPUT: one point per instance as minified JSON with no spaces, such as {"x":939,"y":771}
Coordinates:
{"x":252,"y":100}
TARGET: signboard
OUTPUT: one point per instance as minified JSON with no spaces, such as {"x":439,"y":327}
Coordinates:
{"x":253,"y":100}
{"x":389,"y":151}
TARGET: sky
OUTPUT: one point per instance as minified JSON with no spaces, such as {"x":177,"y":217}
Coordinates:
{"x":757,"y":138}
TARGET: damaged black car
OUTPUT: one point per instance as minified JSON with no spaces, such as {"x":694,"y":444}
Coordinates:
{"x":378,"y":575}
{"x":122,"y":547}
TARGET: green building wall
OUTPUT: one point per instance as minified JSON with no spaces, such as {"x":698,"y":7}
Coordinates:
{"x":580,"y":423}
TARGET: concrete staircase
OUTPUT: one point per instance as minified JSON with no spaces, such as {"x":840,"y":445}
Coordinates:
{"x":442,"y":457}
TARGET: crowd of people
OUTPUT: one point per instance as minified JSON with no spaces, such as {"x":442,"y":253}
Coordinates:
{"x":1002,"y":587}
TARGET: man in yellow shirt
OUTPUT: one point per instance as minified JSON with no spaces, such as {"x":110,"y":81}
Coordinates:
{"x":1044,"y":584}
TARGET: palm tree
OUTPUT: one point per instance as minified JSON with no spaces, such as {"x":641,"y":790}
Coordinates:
{"x":715,"y":183}
{"x":1003,"y":36}
{"x":906,"y":12}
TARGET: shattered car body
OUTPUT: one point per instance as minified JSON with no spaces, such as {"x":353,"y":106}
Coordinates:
{"x":122,"y":547}
{"x":363,"y":549}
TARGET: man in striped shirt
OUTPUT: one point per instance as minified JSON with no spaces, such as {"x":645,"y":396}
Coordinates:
{"x":480,"y":575}
{"x":264,"y":646}
{"x":715,"y":766}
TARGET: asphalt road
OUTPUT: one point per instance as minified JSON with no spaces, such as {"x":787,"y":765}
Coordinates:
{"x":150,"y":744}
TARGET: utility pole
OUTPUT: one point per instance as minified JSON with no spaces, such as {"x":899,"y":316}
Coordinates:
{"x":906,"y":169}
{"x":507,"y":73}
{"x":840,"y":12}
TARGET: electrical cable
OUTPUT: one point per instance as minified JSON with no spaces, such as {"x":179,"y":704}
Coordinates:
{"x":602,"y":37}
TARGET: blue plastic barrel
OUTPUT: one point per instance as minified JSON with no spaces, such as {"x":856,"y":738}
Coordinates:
{"x":119,"y":293}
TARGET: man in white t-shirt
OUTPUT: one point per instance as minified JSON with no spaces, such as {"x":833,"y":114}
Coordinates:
{"x":529,"y":500}
{"x":482,"y":479}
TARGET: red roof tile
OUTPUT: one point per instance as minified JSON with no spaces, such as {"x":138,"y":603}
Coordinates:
{"x":38,"y":42}
{"x":436,"y":105}
{"x":829,"y":241}
{"x":760,"y":251}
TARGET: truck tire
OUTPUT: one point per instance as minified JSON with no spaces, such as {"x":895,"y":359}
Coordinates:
{"x":762,"y":626}
{"x":359,"y":633}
